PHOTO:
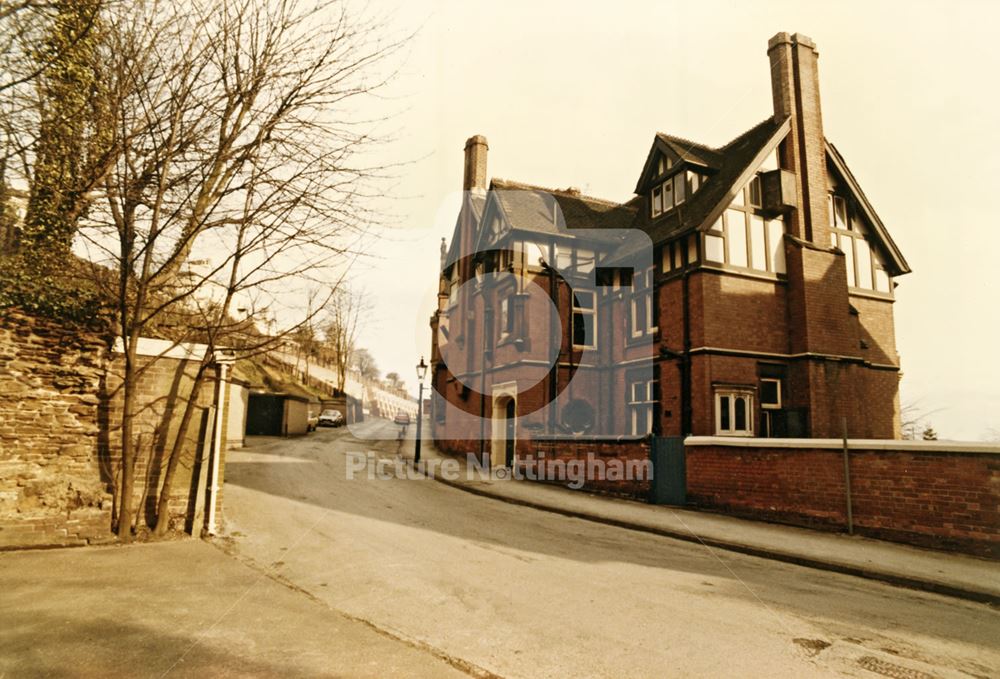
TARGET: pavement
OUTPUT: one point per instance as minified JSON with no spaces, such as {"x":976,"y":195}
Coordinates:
{"x":180,"y":609}
{"x":325,"y":572}
{"x":948,"y":573}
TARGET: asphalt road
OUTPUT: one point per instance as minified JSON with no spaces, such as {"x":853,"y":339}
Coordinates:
{"x":511,"y":591}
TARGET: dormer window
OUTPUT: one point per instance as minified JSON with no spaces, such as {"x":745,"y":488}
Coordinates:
{"x":668,"y":194}
{"x":673,"y":191}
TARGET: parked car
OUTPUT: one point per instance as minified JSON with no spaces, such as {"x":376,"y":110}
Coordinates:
{"x":402,"y":418}
{"x":331,"y":418}
{"x":312,"y":421}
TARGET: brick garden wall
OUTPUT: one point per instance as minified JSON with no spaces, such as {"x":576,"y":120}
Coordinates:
{"x":51,"y":488}
{"x":929,"y":494}
{"x":164,"y":387}
{"x":548,"y":457}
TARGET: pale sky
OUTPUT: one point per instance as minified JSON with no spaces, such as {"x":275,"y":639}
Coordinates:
{"x":570,"y":94}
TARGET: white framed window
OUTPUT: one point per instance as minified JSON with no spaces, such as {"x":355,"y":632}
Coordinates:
{"x":736,"y":237}
{"x":564,"y":257}
{"x":534,"y":254}
{"x":758,"y":243}
{"x":506,"y":318}
{"x":838,"y":212}
{"x":657,"y":201}
{"x":863,"y":256}
{"x":776,"y":244}
{"x":570,"y":260}
{"x":861,"y":259}
{"x":636,"y":321}
{"x":770,"y":405}
{"x":584,"y":319}
{"x":694,"y":182}
{"x":641,"y":399}
{"x":882,"y":280}
{"x":734,"y":412}
{"x":770,"y":393}
{"x":755,"y":196}
{"x":642,"y":315}
{"x":453,"y":286}
{"x":744,"y":239}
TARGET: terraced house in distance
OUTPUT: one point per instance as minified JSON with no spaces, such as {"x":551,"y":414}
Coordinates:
{"x":745,"y":290}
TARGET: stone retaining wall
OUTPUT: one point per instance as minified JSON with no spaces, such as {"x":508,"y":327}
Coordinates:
{"x":52,"y":491}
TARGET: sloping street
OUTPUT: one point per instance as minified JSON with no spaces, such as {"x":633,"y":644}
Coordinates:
{"x":516,"y":592}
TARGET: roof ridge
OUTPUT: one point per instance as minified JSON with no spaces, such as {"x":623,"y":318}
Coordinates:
{"x":685,"y":140}
{"x":745,"y":132}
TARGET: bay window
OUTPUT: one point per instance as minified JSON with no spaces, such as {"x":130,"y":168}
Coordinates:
{"x":734,"y":412}
{"x":745,"y":239}
{"x":849,"y":234}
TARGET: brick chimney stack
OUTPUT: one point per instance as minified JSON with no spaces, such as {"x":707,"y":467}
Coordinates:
{"x":795,"y":90}
{"x":475,"y":163}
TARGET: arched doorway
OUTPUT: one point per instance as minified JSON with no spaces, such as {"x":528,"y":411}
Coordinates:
{"x":504,"y":443}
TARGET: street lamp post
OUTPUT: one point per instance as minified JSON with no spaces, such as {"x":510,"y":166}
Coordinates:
{"x":421,"y":373}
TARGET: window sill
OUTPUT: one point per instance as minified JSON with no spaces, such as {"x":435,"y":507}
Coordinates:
{"x":642,"y":339}
{"x":870,"y":294}
{"x":756,"y":274}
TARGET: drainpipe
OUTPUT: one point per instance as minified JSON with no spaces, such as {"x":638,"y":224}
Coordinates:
{"x":555,"y":331}
{"x":686,"y":418}
{"x":213,"y":486}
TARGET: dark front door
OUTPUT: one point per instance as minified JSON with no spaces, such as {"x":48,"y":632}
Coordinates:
{"x":509,"y":435}
{"x":265,"y":415}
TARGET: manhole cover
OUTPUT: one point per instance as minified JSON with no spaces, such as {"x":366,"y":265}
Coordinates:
{"x":893,"y":670}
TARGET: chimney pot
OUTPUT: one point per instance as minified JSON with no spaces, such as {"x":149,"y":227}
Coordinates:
{"x":476,"y":149}
{"x":795,"y":92}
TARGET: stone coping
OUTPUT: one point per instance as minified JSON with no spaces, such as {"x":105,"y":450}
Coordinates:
{"x":852,"y":444}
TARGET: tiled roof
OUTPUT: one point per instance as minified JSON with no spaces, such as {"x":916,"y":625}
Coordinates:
{"x":533,"y":208}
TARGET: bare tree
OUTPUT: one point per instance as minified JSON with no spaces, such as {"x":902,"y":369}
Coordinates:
{"x":345,"y":313}
{"x":237,"y":176}
{"x":913,"y":419}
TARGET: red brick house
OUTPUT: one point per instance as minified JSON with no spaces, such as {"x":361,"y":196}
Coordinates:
{"x":744,"y":290}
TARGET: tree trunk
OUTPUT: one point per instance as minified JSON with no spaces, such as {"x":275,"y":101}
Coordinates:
{"x":128,"y":453}
{"x":163,"y":503}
